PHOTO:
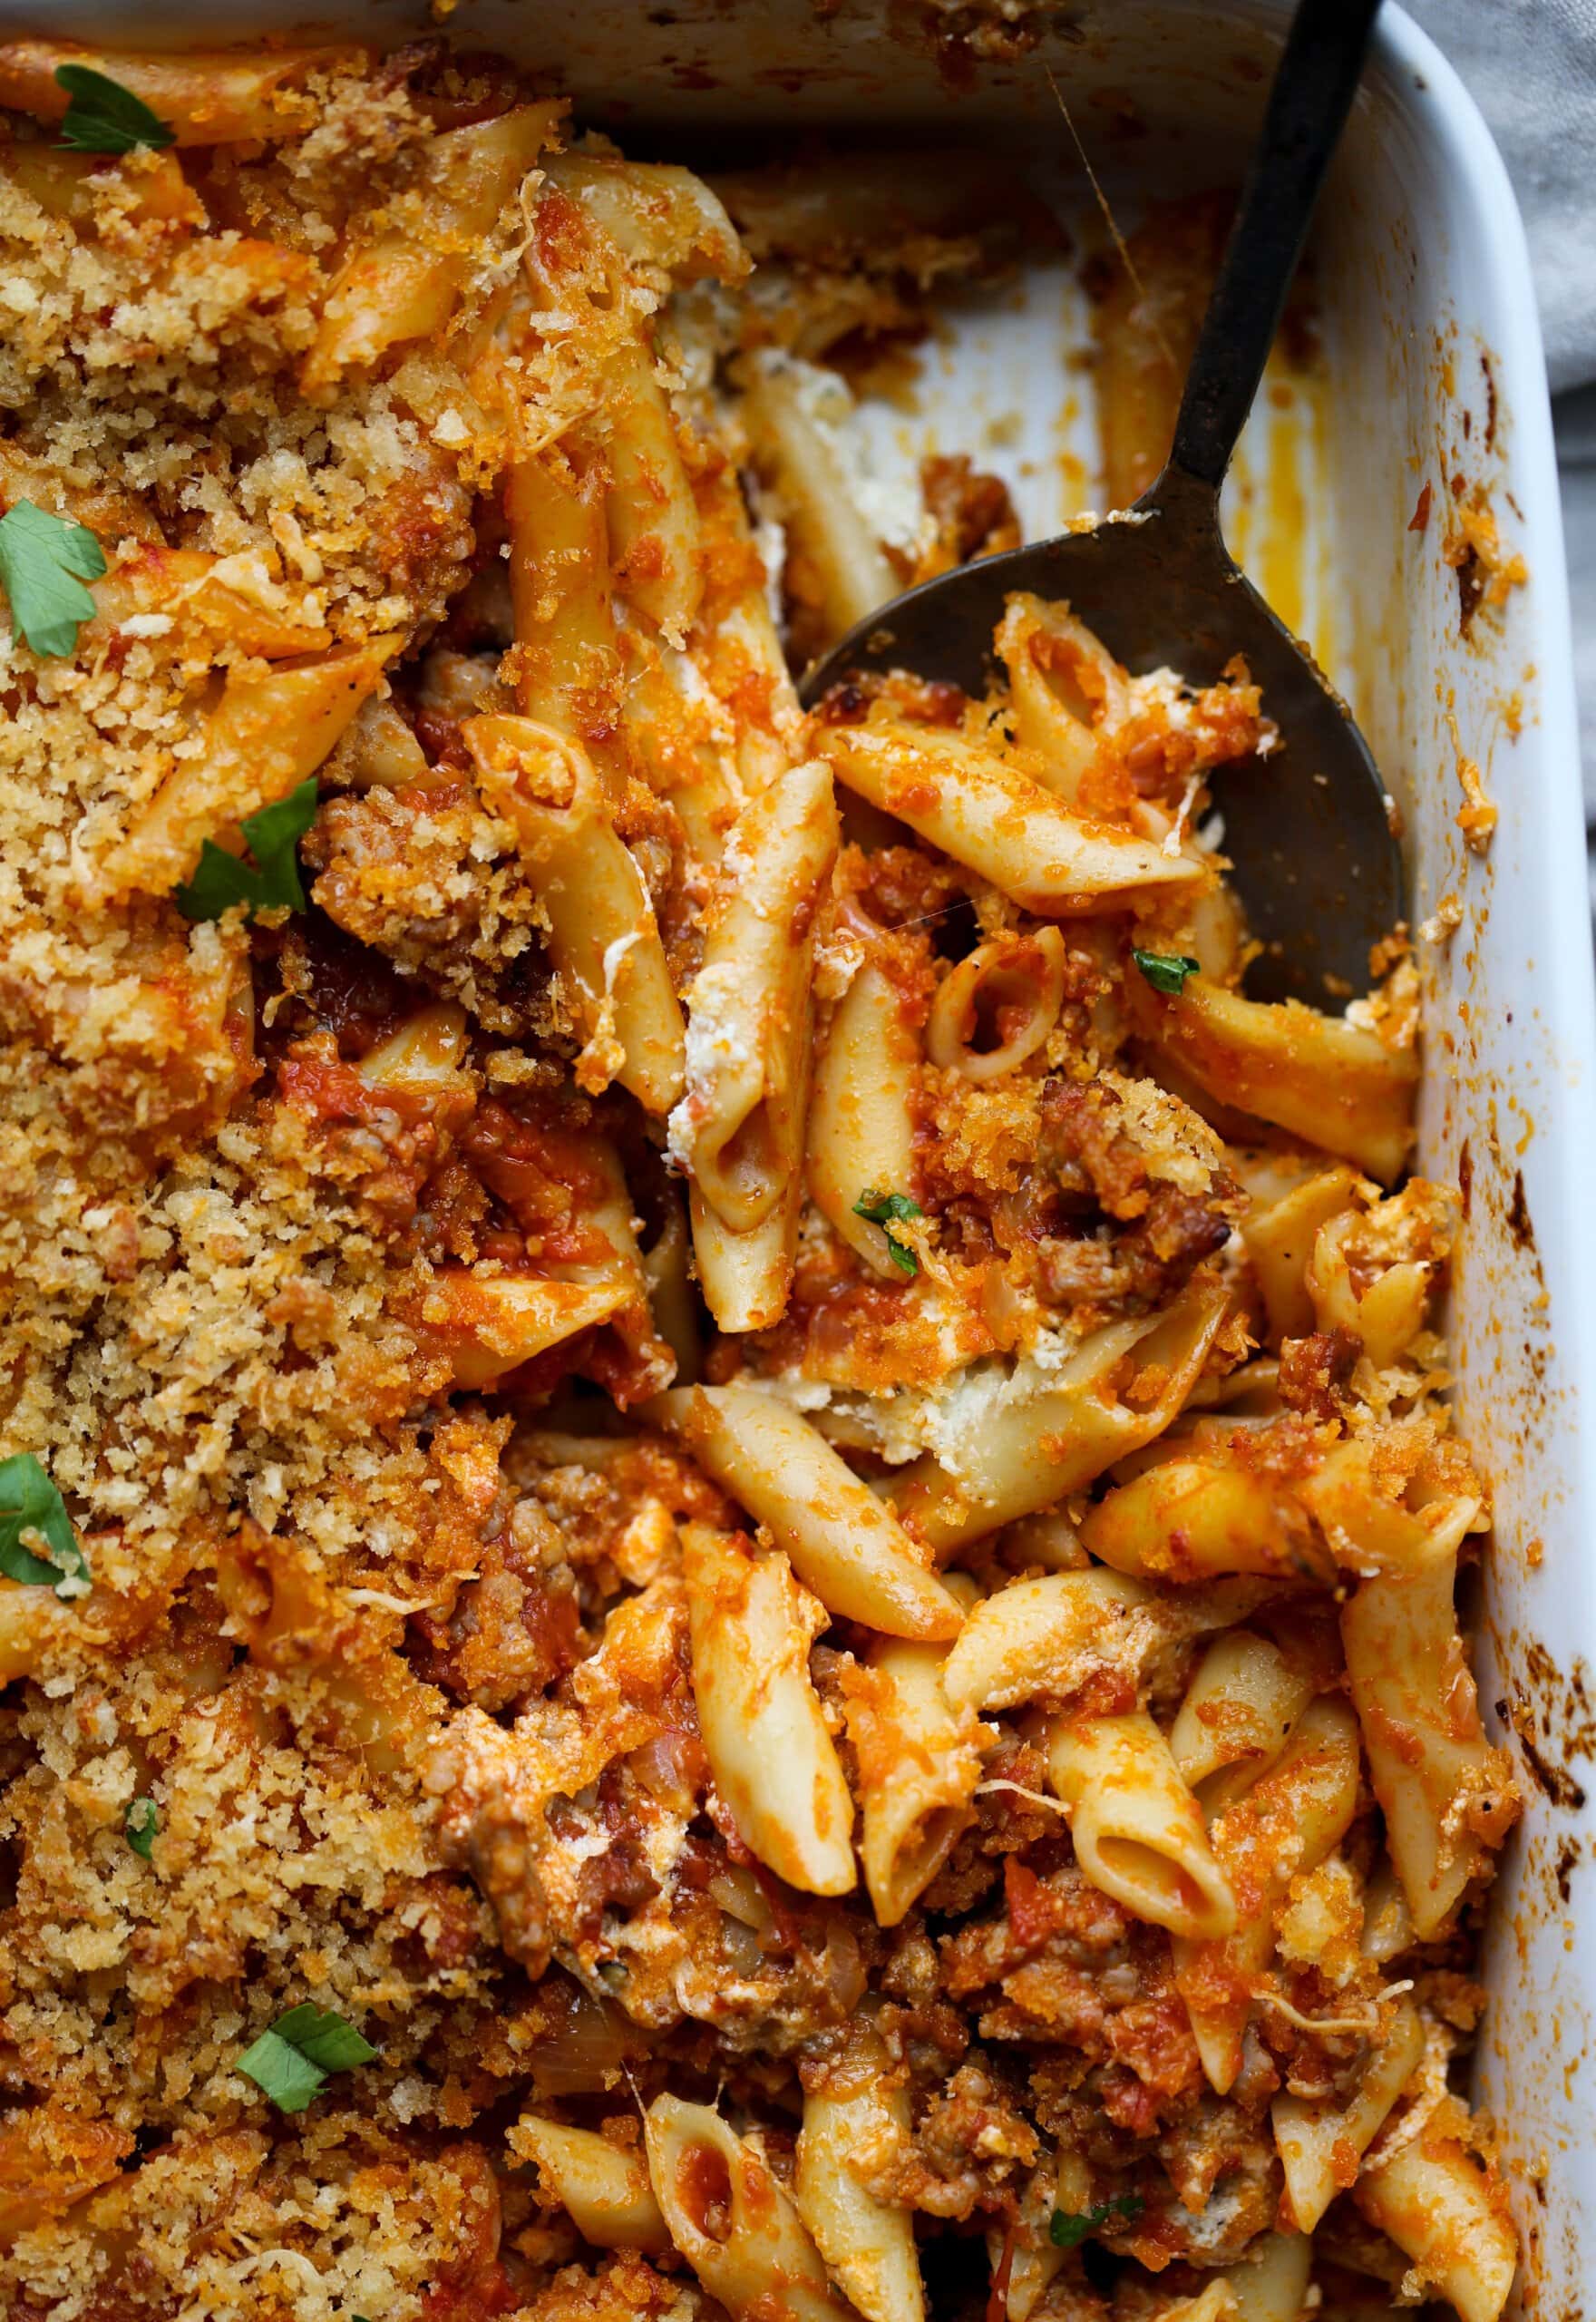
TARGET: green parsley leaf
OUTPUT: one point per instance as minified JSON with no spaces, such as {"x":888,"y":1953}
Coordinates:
{"x":141,"y":1827}
{"x":103,"y":117}
{"x":292,"y":2061}
{"x":44,"y":560}
{"x":1166,"y":970}
{"x":29,"y":1502}
{"x":273,"y":835}
{"x":879,"y":1208}
{"x":1069,"y":2231}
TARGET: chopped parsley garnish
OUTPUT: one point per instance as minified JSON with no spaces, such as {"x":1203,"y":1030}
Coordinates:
{"x":29,"y":1503}
{"x":292,"y":2062}
{"x":1167,"y":970}
{"x":103,"y":117}
{"x":1069,"y":2231}
{"x":881,"y":1209}
{"x":141,"y":1827}
{"x":272,"y":836}
{"x":44,"y":561}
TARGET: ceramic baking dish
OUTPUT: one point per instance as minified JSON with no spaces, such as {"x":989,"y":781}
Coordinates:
{"x":1431,"y":381}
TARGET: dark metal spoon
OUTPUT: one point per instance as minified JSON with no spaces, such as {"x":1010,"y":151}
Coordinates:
{"x":1307,"y":829}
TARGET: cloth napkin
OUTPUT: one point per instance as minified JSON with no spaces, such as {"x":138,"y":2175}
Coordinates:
{"x":1531,"y":67}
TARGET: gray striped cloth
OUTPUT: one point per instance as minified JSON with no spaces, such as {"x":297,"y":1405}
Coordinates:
{"x":1531,"y":67}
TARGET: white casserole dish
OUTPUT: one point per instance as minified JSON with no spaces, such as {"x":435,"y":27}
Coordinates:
{"x":1434,"y":368}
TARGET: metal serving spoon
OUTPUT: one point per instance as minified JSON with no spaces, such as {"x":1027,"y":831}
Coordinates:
{"x":1307,"y":829}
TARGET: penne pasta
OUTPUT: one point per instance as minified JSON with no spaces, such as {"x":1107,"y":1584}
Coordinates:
{"x":1000,"y":822}
{"x":842,"y":1542}
{"x":919,"y":1761}
{"x":740,"y":1130}
{"x":1137,"y":1830}
{"x":1191,"y":1519}
{"x":1034,"y":1443}
{"x":1008,"y":991}
{"x":747,"y":1276}
{"x":605,"y":2186}
{"x":1445,"y":1793}
{"x":732,"y":2222}
{"x":861,"y":1130}
{"x":263,"y":736}
{"x":215,"y":97}
{"x":1448,"y":2215}
{"x":565,"y":664}
{"x":486,"y":1326}
{"x":1317,"y":1076}
{"x":407,"y":283}
{"x":661,"y":1442}
{"x":858,"y":2117}
{"x":1239,"y":1710}
{"x":1317,"y":2142}
{"x":1284,"y":1826}
{"x":849,"y":566}
{"x":763,"y":1731}
{"x":655,"y":551}
{"x":602,"y":935}
{"x":1280,"y":1236}
{"x":1036,"y":1637}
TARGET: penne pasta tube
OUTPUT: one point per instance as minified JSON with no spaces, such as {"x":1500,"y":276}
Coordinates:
{"x":1030,"y":1444}
{"x":605,"y":2186}
{"x":764,"y":1733}
{"x":654,"y":213}
{"x":1369,"y":1532}
{"x":265,"y":735}
{"x":1285,"y":1825}
{"x":1372,"y":1270}
{"x":1271,"y":2284}
{"x":407,"y":283}
{"x":731,"y":2219}
{"x":860,"y":1127}
{"x":565,"y":663}
{"x":1026,"y":2241}
{"x":207,"y":602}
{"x":847,"y":564}
{"x":1323,"y":1079}
{"x":1239,"y":1708}
{"x":65,"y":185}
{"x":746,"y":1277}
{"x":855,"y":2118}
{"x":668,"y":1266}
{"x":740,"y":1128}
{"x":488,"y":1325}
{"x":420,"y":1063}
{"x":1189,"y":1519}
{"x":997,"y":820}
{"x":918,"y":1762}
{"x":1137,"y":1829}
{"x":602,"y":935}
{"x":1036,"y":1637}
{"x":380,"y":751}
{"x":844,"y":1542}
{"x":1280,"y":1237}
{"x":1448,"y":2215}
{"x":649,"y":510}
{"x":1447,"y":1796}
{"x":1317,"y":2143}
{"x":997,"y":1006}
{"x":205,"y":97}
{"x":1065,"y":684}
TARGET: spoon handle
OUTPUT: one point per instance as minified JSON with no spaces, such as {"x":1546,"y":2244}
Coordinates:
{"x":1313,"y":90}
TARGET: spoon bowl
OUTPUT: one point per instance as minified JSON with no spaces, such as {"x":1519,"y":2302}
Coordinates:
{"x":1309,"y":829}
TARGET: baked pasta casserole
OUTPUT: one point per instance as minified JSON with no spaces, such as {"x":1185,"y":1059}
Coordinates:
{"x":728,"y":1533}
